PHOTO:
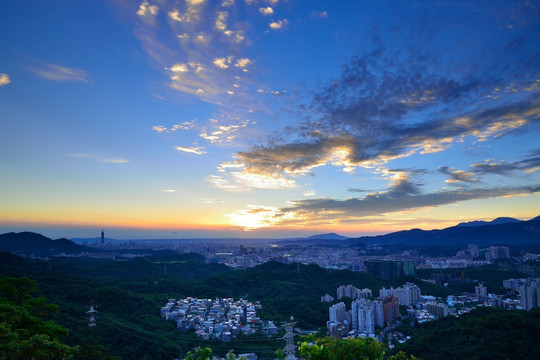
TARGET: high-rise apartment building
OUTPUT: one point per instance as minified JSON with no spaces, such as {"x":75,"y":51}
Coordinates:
{"x":390,"y":308}
{"x":481,"y":291}
{"x":337,"y":313}
{"x":353,"y":292}
{"x":473,"y":250}
{"x":365,"y":315}
{"x":530,"y":295}
{"x":437,"y":309}
{"x":497,"y":252}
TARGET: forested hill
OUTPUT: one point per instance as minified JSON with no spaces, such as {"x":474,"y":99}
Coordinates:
{"x":30,"y":243}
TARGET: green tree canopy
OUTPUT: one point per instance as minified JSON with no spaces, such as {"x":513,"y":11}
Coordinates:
{"x":330,"y":348}
{"x":24,"y":332}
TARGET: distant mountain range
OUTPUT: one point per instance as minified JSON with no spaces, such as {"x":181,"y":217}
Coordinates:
{"x":504,"y":230}
{"x":329,"y":236}
{"x":497,"y":221}
{"x":30,"y":243}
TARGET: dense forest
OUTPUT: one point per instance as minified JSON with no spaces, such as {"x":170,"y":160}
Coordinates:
{"x":485,"y":333}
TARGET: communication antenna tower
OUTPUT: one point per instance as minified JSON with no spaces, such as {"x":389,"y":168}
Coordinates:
{"x":289,"y":349}
{"x":92,"y":315}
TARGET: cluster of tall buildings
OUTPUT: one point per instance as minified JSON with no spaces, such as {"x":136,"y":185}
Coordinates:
{"x":407,"y":295}
{"x":353,"y":292}
{"x":367,"y":314}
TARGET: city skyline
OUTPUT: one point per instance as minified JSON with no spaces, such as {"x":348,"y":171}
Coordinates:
{"x":266,"y":118}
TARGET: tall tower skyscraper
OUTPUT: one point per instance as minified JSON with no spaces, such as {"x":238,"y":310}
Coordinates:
{"x":102,"y":237}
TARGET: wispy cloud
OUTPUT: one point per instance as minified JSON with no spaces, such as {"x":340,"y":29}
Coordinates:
{"x":222,"y":133}
{"x":191,"y":149}
{"x":98,"y":158}
{"x":457,"y":176}
{"x":396,"y":201}
{"x":60,"y":73}
{"x":115,"y":161}
{"x":279,"y":24}
{"x":224,"y":184}
{"x":146,"y":9}
{"x":529,"y":164}
{"x":319,"y":14}
{"x":4,"y":79}
{"x":266,"y":10}
{"x":159,"y":129}
{"x":186,"y":125}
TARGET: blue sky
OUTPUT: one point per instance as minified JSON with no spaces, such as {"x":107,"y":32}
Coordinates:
{"x":266,"y":118}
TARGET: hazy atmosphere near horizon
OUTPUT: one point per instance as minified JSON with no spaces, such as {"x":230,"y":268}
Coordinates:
{"x":266,"y":118}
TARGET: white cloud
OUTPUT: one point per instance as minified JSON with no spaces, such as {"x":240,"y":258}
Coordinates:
{"x":4,"y":79}
{"x":221,"y":63}
{"x":192,"y":13}
{"x":159,"y":129}
{"x":223,"y":133}
{"x":186,"y":125}
{"x":60,"y":73}
{"x":262,"y":181}
{"x":175,"y":15}
{"x":169,"y":190}
{"x":276,"y":25}
{"x":146,"y":9}
{"x":266,"y":11}
{"x":201,"y":38}
{"x":191,"y":149}
{"x":225,"y":184}
{"x":221,"y":24}
{"x":179,"y":68}
{"x":242,"y":62}
{"x":235,"y":36}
